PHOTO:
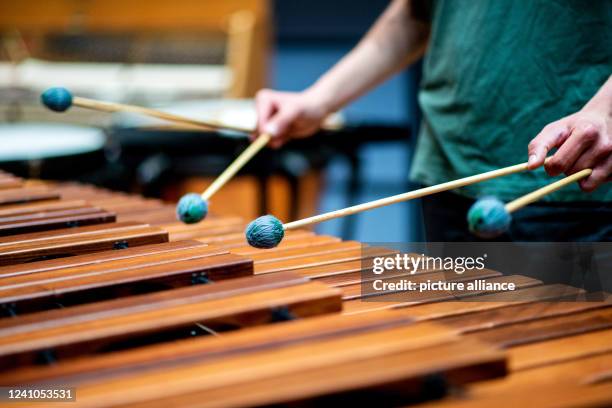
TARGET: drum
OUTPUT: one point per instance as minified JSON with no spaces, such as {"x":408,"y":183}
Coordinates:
{"x":49,"y":150}
{"x":161,"y":153}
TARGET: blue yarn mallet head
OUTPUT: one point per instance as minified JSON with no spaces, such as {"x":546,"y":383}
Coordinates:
{"x":191,"y":208}
{"x":57,"y":99}
{"x":265,"y":232}
{"x":488,"y":218}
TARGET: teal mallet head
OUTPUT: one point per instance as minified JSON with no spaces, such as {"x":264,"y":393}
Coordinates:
{"x":191,"y":208}
{"x":488,"y":218}
{"x":265,"y":232}
{"x":57,"y":99}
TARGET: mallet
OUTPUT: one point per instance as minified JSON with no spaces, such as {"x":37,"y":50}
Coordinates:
{"x":61,"y":99}
{"x":267,"y":231}
{"x":193,"y":207}
{"x":489,"y":217}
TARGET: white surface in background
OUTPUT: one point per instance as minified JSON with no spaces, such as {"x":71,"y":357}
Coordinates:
{"x":119,"y":82}
{"x":233,"y":112}
{"x":236,"y":112}
{"x":33,"y":141}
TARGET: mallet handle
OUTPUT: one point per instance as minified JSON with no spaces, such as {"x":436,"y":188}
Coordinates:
{"x":539,"y":193}
{"x":236,"y":165}
{"x":411,"y":195}
{"x":120,"y":107}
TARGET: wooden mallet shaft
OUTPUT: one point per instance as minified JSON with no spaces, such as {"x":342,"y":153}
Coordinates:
{"x":541,"y":192}
{"x":59,"y":99}
{"x":120,"y":107}
{"x":411,"y":195}
{"x":236,"y":165}
{"x":227,"y":174}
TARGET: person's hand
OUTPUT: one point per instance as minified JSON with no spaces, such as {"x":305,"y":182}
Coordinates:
{"x":583,"y":140}
{"x":286,"y":115}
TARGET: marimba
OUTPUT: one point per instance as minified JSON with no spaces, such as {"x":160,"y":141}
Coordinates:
{"x":107,"y":293}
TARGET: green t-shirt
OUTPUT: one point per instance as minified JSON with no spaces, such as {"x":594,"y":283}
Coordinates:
{"x":496,"y":72}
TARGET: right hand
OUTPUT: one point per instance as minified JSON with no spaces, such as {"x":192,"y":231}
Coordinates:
{"x":286,"y":115}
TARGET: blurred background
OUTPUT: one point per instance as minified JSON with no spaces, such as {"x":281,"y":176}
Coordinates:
{"x":205,"y":59}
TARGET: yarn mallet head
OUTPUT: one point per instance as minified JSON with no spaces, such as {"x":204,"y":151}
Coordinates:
{"x":191,"y":208}
{"x":57,"y":99}
{"x":265,"y":232}
{"x":488,"y":218}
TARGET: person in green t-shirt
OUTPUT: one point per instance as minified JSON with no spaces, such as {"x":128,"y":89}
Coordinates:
{"x":504,"y":81}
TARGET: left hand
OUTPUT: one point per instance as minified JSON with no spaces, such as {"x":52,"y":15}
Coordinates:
{"x":583,"y":140}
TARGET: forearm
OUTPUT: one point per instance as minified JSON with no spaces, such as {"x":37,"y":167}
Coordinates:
{"x":602,"y":100}
{"x":395,"y":41}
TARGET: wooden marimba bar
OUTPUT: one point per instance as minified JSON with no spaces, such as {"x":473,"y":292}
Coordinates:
{"x":105,"y":292}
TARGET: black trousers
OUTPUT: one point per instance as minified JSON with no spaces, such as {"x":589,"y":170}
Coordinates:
{"x":445,"y":218}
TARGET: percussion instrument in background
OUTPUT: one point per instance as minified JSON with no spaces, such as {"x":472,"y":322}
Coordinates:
{"x":192,"y":207}
{"x":141,"y":310}
{"x":190,"y":157}
{"x":51,"y":150}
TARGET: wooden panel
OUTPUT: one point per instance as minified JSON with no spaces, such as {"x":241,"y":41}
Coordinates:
{"x":208,"y":227}
{"x":551,"y":396}
{"x":263,"y":257}
{"x":208,"y":348}
{"x":542,"y":293}
{"x":75,"y":241}
{"x":8,"y":181}
{"x":97,"y":257}
{"x":237,"y":239}
{"x":160,"y":215}
{"x":331,"y":270}
{"x":26,"y":195}
{"x":231,"y":287}
{"x":203,"y":226}
{"x":324,"y":259}
{"x":85,"y":284}
{"x":19,"y":344}
{"x":574,"y":372}
{"x":412,"y":299}
{"x":21,"y":224}
{"x":40,"y":206}
{"x":545,"y":329}
{"x":560,"y":350}
{"x":383,"y":361}
{"x":308,"y":240}
{"x":514,"y":314}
